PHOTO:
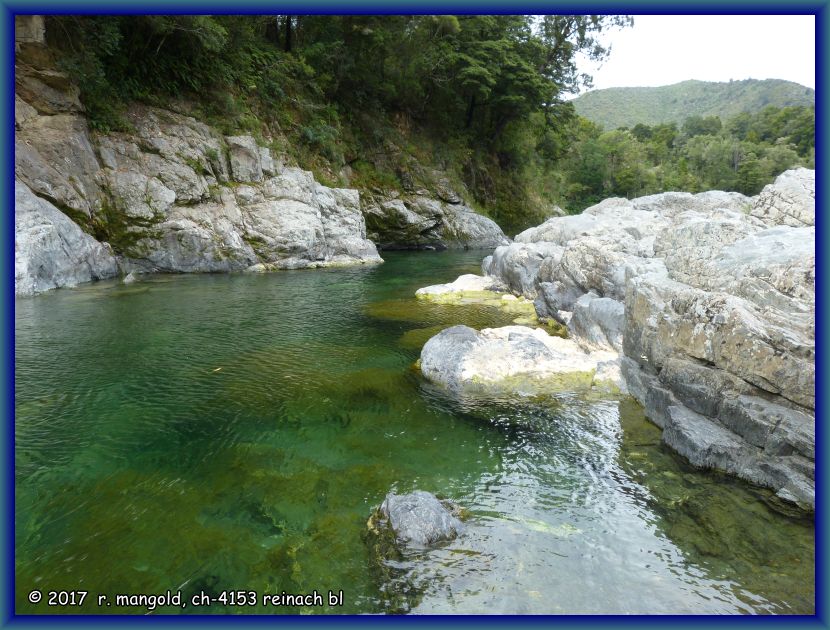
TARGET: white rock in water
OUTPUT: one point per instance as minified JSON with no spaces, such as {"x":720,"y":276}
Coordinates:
{"x":465,"y":283}
{"x":419,"y":519}
{"x":130,"y":278}
{"x":515,"y":359}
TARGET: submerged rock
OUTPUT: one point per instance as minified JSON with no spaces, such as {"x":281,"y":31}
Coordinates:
{"x":406,"y":526}
{"x":419,"y":519}
{"x":482,"y":291}
{"x":463,"y":284}
{"x":130,"y":278}
{"x":513,"y":359}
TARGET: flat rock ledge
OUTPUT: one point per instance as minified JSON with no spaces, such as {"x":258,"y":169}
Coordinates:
{"x":515,"y":360}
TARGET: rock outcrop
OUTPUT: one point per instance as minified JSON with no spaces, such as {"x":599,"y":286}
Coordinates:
{"x":418,"y":221}
{"x":170,"y":195}
{"x":514,"y":359}
{"x":175,"y":196}
{"x":50,"y":250}
{"x":711,"y":299}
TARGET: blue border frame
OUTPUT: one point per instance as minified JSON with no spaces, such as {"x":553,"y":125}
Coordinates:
{"x":766,"y":7}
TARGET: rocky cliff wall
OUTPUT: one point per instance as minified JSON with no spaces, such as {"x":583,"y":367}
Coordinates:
{"x":172,"y":194}
{"x":711,"y":299}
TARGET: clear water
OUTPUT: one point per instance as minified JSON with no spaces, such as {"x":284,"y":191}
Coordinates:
{"x":208,"y":433}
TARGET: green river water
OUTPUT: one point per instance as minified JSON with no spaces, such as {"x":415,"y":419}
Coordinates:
{"x":216,"y":432}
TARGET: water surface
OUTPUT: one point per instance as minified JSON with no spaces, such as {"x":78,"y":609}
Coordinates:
{"x":208,"y":433}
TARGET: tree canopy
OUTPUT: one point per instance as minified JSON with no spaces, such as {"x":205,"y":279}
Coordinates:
{"x":366,"y":100}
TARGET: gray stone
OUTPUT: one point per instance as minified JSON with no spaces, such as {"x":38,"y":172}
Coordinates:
{"x":463,"y":227}
{"x":512,"y":359}
{"x":708,"y":444}
{"x":465,"y":283}
{"x":29,"y":29}
{"x":420,"y":222}
{"x":54,"y":157}
{"x":419,"y":519}
{"x":22,"y":112}
{"x":130,"y":278}
{"x":791,"y":200}
{"x":245,"y":158}
{"x":518,"y":265}
{"x":165,"y":182}
{"x":47,"y":91}
{"x":137,"y":195}
{"x":711,"y":298}
{"x":598,"y":322}
{"x":50,"y":250}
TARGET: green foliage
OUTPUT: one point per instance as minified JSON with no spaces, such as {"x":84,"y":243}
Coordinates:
{"x":111,"y":225}
{"x":626,"y":107}
{"x":353,"y":90}
{"x":742,"y":155}
{"x":377,"y":102}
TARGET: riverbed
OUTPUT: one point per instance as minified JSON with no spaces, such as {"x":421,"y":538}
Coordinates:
{"x":208,"y":433}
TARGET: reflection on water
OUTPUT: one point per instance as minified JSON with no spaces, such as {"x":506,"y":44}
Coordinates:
{"x":204,"y":433}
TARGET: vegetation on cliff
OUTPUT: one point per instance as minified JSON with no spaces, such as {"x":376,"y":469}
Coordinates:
{"x":369,"y":101}
{"x":395,"y":102}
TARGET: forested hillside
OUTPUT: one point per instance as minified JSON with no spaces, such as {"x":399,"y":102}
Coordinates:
{"x":386,"y":103}
{"x":627,"y":106}
{"x":742,"y":153}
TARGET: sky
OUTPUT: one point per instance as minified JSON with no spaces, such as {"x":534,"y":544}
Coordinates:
{"x":666,"y":49}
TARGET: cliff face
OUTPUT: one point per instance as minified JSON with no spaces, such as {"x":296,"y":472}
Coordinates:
{"x":174,"y":195}
{"x":171,"y":195}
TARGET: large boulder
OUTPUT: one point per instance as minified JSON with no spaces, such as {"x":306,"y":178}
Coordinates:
{"x":50,"y":250}
{"x":513,"y":359}
{"x":420,"y":222}
{"x":419,"y":519}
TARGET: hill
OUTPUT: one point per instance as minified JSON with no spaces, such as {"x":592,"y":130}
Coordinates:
{"x":625,"y":107}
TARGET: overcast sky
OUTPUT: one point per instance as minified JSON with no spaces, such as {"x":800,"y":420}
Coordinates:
{"x":666,"y":49}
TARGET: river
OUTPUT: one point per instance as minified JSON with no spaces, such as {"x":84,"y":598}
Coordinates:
{"x":222,"y":432}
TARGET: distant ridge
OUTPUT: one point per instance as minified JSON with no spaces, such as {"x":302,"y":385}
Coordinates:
{"x":627,"y":106}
